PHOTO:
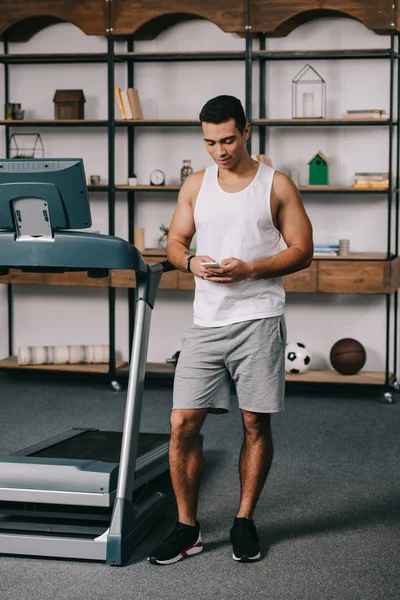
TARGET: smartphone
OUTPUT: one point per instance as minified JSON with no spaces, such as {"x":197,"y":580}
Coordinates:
{"x":211,"y":265}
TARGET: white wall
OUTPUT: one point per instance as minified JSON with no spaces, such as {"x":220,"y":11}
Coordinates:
{"x":179,"y":90}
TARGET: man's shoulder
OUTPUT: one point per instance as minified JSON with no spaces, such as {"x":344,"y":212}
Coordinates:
{"x":281,"y":181}
{"x":194,"y":180}
{"x":191,"y":187}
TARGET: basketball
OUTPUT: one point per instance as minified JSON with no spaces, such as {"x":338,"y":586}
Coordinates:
{"x":348,"y":356}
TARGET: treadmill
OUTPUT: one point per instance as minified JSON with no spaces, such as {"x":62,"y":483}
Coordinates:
{"x":72,"y":496}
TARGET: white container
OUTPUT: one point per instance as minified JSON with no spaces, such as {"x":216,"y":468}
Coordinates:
{"x":39,"y":355}
{"x":132,"y":181}
{"x":76,"y":354}
{"x":60,"y":355}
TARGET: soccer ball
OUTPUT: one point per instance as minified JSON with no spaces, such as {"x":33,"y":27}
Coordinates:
{"x":297,"y":358}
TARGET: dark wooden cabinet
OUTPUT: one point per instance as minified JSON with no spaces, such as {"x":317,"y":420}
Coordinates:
{"x":147,"y":18}
{"x":21,"y":20}
{"x":280,"y":17}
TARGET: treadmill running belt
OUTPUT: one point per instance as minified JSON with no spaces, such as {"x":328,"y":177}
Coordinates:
{"x":100,"y":445}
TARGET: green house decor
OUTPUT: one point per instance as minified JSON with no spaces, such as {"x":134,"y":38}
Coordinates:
{"x":319,"y":174}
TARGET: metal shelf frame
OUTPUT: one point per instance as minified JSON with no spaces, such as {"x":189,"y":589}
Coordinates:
{"x":392,"y":195}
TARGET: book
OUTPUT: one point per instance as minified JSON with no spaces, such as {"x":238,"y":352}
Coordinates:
{"x":134,"y":101}
{"x":381,"y":185}
{"x":120,"y":103}
{"x":372,"y":174}
{"x":126,"y":104}
{"x":366,"y":110}
{"x":364,"y":116}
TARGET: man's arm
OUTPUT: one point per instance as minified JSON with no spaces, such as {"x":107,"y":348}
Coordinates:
{"x":296,"y":230}
{"x":182,"y":227}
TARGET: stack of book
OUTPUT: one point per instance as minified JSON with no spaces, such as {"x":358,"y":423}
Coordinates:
{"x":129,"y":103}
{"x":365,"y":114}
{"x":371,"y":180}
{"x":326,"y":249}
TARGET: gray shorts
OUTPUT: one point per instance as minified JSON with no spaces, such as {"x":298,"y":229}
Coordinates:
{"x":251,"y":353}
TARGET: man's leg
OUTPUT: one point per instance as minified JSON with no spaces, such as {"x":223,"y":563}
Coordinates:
{"x":255,"y":460}
{"x":186,"y":460}
{"x":186,"y":467}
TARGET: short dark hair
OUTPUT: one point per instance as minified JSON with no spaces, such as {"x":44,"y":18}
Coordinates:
{"x":221,"y":109}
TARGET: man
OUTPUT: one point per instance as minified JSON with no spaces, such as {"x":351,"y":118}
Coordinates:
{"x":240,"y":209}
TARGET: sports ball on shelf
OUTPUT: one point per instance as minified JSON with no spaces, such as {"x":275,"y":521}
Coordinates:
{"x":297,"y":358}
{"x":348,"y":356}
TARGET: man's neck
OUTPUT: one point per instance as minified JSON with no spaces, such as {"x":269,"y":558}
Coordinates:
{"x":245,"y":168}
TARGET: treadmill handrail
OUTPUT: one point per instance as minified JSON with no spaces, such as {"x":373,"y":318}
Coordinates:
{"x":72,"y":250}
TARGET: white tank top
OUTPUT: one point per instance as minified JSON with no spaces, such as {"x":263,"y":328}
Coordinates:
{"x":236,"y":225}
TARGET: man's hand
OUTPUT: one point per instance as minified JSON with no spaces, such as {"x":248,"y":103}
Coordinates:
{"x":197,"y":269}
{"x":232,"y":270}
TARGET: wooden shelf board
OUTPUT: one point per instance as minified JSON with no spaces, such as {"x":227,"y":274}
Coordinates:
{"x":155,"y":252}
{"x":358,"y":273}
{"x":11,"y":362}
{"x":379,"y":256}
{"x":153,"y":188}
{"x":321,"y":122}
{"x":97,"y":188}
{"x":78,"y":278}
{"x":331,"y":376}
{"x":341,"y":188}
{"x":177,"y":54}
{"x":153,"y":368}
{"x":54,"y":58}
{"x":159,"y":122}
{"x":372,"y":51}
{"x":100,"y":122}
{"x":310,"y":376}
{"x":302,"y":188}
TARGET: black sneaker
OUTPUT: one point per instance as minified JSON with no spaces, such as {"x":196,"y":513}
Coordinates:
{"x":244,"y":540}
{"x":185,"y":540}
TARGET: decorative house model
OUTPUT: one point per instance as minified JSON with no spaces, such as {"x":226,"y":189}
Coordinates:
{"x":308,"y":94}
{"x":26,"y":145}
{"x":69,"y":104}
{"x":318,"y":174}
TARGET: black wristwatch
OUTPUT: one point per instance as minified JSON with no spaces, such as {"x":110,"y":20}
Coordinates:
{"x":189,"y":258}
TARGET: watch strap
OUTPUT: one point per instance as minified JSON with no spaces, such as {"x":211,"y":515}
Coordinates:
{"x":189,"y":258}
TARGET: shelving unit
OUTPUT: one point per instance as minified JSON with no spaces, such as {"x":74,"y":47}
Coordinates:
{"x":363,"y":273}
{"x":334,"y":275}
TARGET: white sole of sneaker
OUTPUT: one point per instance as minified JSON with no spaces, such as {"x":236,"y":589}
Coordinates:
{"x":247,"y":558}
{"x":191,"y":551}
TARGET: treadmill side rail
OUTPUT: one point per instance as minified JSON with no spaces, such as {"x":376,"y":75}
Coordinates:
{"x":54,"y":546}
{"x":49,"y":497}
{"x":58,"y":474}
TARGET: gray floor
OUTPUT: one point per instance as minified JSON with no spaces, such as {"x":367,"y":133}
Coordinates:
{"x":328,"y":517}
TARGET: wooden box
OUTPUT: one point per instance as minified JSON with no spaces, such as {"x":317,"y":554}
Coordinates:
{"x":69,"y":104}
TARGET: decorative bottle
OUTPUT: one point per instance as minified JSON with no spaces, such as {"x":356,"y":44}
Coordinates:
{"x":186,"y":170}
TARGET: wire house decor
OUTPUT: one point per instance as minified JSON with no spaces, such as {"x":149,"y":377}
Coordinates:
{"x":26,"y":145}
{"x":308,"y":94}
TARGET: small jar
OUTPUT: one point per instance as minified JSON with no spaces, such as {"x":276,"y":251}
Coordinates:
{"x":186,"y":170}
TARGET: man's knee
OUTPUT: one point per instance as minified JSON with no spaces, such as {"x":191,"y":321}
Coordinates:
{"x":186,"y":424}
{"x":256,"y":424}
